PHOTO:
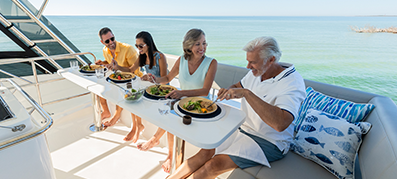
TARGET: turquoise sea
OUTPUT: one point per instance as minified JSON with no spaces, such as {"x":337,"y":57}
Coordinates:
{"x":323,"y":49}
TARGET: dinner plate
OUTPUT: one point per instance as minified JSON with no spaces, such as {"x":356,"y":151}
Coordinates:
{"x":133,"y":77}
{"x":215,"y":116}
{"x":206,"y":101}
{"x":93,"y":69}
{"x":159,"y":96}
{"x":150,"y":97}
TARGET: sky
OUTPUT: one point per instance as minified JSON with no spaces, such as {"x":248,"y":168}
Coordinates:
{"x":220,"y":7}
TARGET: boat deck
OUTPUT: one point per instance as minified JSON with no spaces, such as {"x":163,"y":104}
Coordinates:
{"x":80,"y":153}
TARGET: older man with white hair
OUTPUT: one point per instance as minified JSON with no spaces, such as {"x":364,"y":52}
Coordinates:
{"x":271,"y":95}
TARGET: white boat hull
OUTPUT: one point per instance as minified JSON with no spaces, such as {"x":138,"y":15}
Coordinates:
{"x":28,"y":159}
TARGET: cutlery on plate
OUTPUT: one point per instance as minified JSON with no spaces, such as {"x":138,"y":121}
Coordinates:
{"x":157,"y":84}
{"x":212,"y":103}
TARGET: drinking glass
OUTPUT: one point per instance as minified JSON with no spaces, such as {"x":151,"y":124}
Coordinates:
{"x":163,"y":106}
{"x":100,"y":72}
{"x":136,"y":83}
{"x":74,"y":65}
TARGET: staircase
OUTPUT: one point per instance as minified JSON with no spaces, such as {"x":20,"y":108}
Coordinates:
{"x":36,"y":36}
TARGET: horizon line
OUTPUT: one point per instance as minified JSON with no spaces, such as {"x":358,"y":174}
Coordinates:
{"x":227,"y":15}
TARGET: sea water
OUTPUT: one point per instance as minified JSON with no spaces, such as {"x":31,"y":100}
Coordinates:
{"x":322,"y":49}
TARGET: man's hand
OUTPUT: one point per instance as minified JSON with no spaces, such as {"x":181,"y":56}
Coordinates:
{"x":113,"y":65}
{"x":99,"y":62}
{"x":231,"y":93}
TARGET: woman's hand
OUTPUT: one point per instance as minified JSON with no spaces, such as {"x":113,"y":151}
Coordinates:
{"x":148,"y":77}
{"x":176,"y":94}
{"x":231,"y":93}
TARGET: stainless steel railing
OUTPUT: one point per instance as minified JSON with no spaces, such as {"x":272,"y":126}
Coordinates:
{"x":42,"y":9}
{"x":47,"y":119}
{"x":32,"y":61}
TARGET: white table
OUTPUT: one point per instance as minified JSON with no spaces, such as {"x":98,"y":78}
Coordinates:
{"x":207,"y":135}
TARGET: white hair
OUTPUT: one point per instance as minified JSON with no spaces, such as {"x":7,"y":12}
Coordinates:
{"x":268,"y":47}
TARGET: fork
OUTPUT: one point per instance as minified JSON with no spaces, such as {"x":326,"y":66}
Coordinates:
{"x":213,"y":103}
{"x":157,"y":84}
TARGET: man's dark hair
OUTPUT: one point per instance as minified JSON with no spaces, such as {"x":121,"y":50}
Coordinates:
{"x":104,"y":31}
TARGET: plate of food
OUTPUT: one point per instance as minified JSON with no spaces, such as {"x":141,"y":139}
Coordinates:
{"x":159,"y":90}
{"x":91,"y":68}
{"x":121,"y":77}
{"x":197,"y":105}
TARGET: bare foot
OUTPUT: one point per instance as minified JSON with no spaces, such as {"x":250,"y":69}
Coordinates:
{"x":167,"y":165}
{"x":149,"y":144}
{"x":112,"y":121}
{"x":138,"y":132}
{"x":105,"y":115}
{"x":130,"y":135}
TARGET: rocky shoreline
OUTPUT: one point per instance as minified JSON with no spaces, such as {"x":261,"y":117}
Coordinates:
{"x":372,"y":29}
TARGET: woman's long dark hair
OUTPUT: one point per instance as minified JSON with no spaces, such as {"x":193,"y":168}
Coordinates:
{"x":148,"y":40}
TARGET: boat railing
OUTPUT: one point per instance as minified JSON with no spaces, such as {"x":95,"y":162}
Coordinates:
{"x":36,"y":107}
{"x":37,"y":83}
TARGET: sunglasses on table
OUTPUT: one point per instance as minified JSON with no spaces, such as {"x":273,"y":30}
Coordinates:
{"x":140,"y":45}
{"x":108,"y":40}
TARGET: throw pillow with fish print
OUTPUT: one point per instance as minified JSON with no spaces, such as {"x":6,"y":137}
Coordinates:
{"x":330,"y":141}
{"x":350,"y":111}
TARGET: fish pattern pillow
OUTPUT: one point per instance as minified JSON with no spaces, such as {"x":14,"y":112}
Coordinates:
{"x":330,"y":141}
{"x":352,"y":112}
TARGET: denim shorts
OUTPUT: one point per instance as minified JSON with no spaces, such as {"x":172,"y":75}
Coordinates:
{"x":271,"y":152}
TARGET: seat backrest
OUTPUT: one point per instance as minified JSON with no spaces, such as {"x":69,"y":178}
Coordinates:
{"x":227,"y":75}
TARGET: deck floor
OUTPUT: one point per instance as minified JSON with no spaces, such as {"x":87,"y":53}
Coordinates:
{"x":79,"y":153}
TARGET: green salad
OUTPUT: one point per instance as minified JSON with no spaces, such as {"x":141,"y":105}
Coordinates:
{"x":193,"y":105}
{"x":160,"y":91}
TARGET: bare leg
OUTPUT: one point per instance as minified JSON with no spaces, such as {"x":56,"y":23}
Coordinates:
{"x":105,"y":109}
{"x":214,"y":167}
{"x":155,"y":140}
{"x":139,"y":128}
{"x":131,"y":134}
{"x":194,"y":163}
{"x":136,"y":129}
{"x":115,"y":118}
{"x":168,"y":162}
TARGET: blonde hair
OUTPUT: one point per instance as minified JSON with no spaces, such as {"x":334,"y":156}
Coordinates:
{"x":190,"y":38}
{"x":267,"y":45}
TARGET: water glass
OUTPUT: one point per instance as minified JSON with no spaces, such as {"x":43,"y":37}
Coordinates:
{"x":136,"y":83}
{"x":74,"y":65}
{"x":164,"y":106}
{"x":100,"y":72}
